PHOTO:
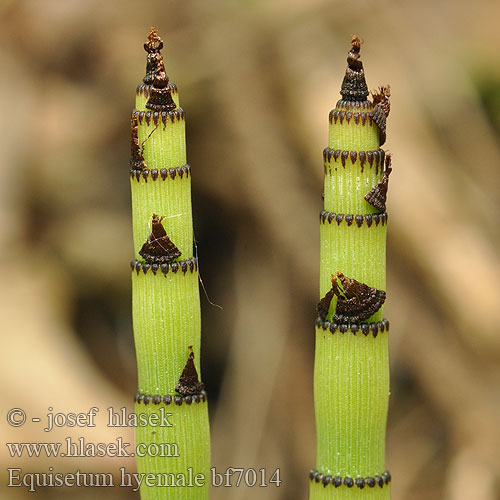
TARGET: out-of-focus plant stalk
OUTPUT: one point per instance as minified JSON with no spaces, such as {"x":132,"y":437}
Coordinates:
{"x":165,"y":296}
{"x":351,"y":372}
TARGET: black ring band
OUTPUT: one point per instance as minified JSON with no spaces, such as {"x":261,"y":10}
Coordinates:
{"x":360,"y":482}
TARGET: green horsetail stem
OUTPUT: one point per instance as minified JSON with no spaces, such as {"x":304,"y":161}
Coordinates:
{"x":351,"y":370}
{"x":165,"y":296}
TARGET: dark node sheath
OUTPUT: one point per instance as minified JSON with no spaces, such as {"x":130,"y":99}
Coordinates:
{"x":161,"y":96}
{"x":136,"y":157}
{"x":348,"y":481}
{"x":324,"y":304}
{"x":356,"y":301}
{"x":382,"y":107}
{"x":188,"y":384}
{"x":151,"y":65}
{"x":377,"y":196}
{"x":158,"y":248}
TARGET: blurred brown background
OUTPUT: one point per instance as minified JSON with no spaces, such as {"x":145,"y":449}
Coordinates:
{"x":257,"y":80}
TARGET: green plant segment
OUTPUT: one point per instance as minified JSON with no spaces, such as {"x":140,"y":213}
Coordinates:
{"x":175,"y":445}
{"x":351,"y":372}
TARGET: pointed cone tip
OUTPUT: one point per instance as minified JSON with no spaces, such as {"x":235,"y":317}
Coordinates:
{"x":354,"y":86}
{"x":152,"y":47}
{"x":154,"y":43}
{"x":355,"y":42}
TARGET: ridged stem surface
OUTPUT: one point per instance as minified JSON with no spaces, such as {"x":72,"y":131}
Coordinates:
{"x":166,"y":308}
{"x":351,"y":369}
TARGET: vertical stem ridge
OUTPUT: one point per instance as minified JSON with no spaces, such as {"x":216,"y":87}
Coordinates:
{"x":353,"y":136}
{"x":168,"y":147}
{"x":161,"y":345}
{"x":169,"y":196}
{"x":351,"y":369}
{"x":165,"y":297}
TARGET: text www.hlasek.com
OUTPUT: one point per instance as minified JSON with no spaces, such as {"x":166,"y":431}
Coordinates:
{"x":81,"y":448}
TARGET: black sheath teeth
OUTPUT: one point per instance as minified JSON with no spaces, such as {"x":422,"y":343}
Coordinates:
{"x":348,"y":481}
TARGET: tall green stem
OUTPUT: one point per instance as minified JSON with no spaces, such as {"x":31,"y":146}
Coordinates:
{"x":351,"y":372}
{"x":165,"y":296}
